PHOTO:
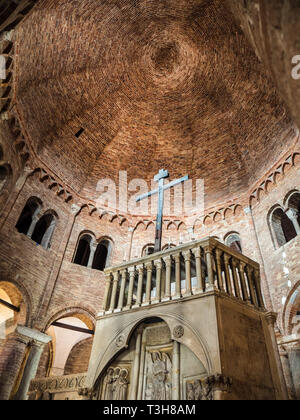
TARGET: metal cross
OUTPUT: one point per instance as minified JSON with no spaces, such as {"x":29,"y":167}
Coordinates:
{"x":160,"y":191}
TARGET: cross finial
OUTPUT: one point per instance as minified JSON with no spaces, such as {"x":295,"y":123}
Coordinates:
{"x":163,"y":173}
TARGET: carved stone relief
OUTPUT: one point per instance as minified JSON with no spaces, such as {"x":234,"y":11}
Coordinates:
{"x":115,"y":384}
{"x":159,"y":377}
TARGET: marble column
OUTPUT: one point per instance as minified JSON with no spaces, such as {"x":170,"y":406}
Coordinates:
{"x":12,"y":356}
{"x":36,"y":348}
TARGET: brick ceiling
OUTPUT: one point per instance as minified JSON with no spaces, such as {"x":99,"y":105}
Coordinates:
{"x":154,"y":84}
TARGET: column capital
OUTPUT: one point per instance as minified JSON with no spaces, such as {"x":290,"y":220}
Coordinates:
{"x":196,"y":252}
{"x":271,"y":318}
{"x":149,"y":266}
{"x":167,"y":259}
{"x":292,"y":213}
{"x":34,"y":335}
{"x":158,"y":263}
{"x":140,"y":268}
{"x":187,"y":255}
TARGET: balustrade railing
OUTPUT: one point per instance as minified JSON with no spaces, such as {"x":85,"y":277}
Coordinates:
{"x":191,"y":269}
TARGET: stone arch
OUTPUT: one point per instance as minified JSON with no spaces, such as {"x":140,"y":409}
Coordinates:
{"x":191,"y":339}
{"x":291,"y":308}
{"x":147,"y":250}
{"x":85,"y":314}
{"x":83,"y":248}
{"x":67,"y":328}
{"x":19,"y":297}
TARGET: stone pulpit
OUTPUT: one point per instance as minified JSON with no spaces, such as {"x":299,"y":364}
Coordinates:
{"x":188,"y":323}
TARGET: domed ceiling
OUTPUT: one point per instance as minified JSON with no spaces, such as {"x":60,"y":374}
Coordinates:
{"x":153,"y":84}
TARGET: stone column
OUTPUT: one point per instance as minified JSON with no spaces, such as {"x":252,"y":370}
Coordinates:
{"x":12,"y":356}
{"x":176,"y":371}
{"x":177,"y":276}
{"x":210,"y":273}
{"x":284,"y":357}
{"x":108,"y":281}
{"x":122,"y":290}
{"x":293,"y":215}
{"x":35,"y":219}
{"x":200,"y":279}
{"x":188,"y":280}
{"x":131,"y":271}
{"x":274,"y":358}
{"x":293,"y":351}
{"x":168,"y":263}
{"x":136,"y":366}
{"x":36,"y":348}
{"x":93,"y":248}
{"x":114,"y":291}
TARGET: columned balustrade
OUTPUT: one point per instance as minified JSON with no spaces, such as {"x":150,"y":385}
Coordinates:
{"x":192,"y":269}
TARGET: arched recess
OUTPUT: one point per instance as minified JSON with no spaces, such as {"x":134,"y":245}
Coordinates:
{"x":44,"y":229}
{"x":162,"y":360}
{"x":103,"y":253}
{"x":292,"y":202}
{"x":148,"y":250}
{"x":5,"y":176}
{"x":68,"y":329}
{"x":84,"y":248}
{"x":27,"y":217}
{"x":15,"y":308}
{"x":233,"y":241}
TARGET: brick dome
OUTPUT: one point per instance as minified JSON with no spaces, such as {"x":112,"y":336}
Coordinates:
{"x":144,"y":85}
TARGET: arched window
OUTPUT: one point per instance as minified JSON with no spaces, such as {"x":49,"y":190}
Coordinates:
{"x":5,"y":175}
{"x":168,"y":246}
{"x":148,"y":250}
{"x":282,"y":226}
{"x":28,"y":214}
{"x":83,"y":250}
{"x":233,"y":241}
{"x":44,"y":229}
{"x":102,"y":254}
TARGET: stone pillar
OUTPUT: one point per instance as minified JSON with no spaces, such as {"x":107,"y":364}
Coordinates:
{"x":210,"y":273}
{"x":36,"y":348}
{"x":158,"y":266}
{"x":108,"y":281}
{"x":12,"y":356}
{"x":93,"y":248}
{"x":176,"y":371}
{"x":293,"y":215}
{"x":131,"y":271}
{"x":274,"y":358}
{"x":122,"y":290}
{"x":177,"y":276}
{"x":293,"y":351}
{"x":35,"y":219}
{"x":114,"y":292}
{"x":136,"y":366}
